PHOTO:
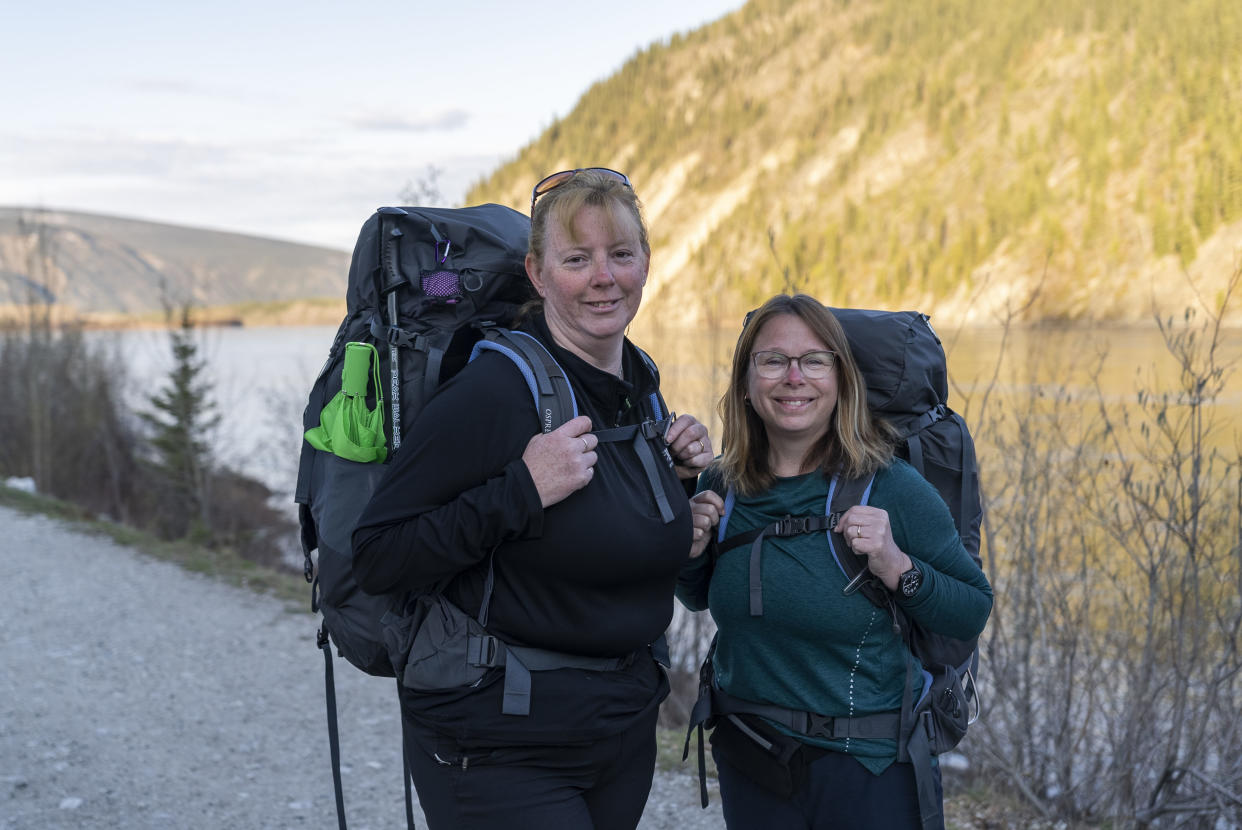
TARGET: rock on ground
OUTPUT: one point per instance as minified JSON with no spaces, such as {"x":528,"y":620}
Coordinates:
{"x":134,"y":694}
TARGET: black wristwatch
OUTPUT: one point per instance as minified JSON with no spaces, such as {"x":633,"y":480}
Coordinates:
{"x":910,"y":581}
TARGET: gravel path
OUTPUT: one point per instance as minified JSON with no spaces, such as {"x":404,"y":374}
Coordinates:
{"x":134,"y":694}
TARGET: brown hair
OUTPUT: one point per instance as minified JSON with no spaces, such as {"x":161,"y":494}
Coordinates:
{"x":586,"y":188}
{"x":856,"y":443}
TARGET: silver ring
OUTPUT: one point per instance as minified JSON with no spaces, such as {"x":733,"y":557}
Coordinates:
{"x":585,"y":446}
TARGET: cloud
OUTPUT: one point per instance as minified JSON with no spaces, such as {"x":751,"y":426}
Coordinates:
{"x":109,"y":155}
{"x":171,"y":86}
{"x":446,"y":121}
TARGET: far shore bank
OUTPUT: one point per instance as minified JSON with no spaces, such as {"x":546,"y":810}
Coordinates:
{"x":329,"y":311}
{"x":309,"y":312}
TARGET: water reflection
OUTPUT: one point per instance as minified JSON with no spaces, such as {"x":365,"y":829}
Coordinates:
{"x":987,"y":366}
{"x":261,"y":376}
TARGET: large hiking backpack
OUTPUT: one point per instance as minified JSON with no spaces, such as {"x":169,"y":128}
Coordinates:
{"x":424,"y":285}
{"x":421,"y":283}
{"x":903,"y":363}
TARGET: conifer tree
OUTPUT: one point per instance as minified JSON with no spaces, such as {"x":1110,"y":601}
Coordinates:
{"x":183,"y":419}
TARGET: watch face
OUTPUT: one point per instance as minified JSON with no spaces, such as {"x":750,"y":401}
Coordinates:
{"x":910,"y":582}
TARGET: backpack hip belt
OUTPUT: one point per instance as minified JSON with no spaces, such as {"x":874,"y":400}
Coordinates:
{"x":489,"y":651}
{"x":883,"y":725}
{"x":714,"y":702}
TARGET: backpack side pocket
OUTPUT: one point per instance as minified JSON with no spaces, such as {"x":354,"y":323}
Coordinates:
{"x":438,"y":656}
{"x":950,"y":713}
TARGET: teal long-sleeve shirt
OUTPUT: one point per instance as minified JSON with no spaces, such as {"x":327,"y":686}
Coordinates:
{"x":815,"y":649}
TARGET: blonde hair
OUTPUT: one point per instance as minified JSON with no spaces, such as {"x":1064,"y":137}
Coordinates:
{"x":856,"y":442}
{"x":586,"y":188}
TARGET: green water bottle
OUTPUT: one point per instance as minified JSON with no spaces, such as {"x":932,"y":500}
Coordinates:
{"x":357,"y":369}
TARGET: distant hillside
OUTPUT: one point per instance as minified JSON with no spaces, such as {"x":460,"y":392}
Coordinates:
{"x":1075,"y":159}
{"x":99,"y":265}
{"x":1066,"y":160}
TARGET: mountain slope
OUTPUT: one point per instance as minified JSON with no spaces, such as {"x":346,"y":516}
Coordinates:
{"x":92,"y":264}
{"x":1062,"y":159}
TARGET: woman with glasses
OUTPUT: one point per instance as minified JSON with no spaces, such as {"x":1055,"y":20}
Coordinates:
{"x":790,"y":639}
{"x":577,"y":541}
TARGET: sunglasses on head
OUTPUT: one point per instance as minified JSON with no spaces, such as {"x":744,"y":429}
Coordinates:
{"x":557,"y":179}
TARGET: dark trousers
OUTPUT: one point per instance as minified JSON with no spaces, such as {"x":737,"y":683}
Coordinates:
{"x":839,"y":793}
{"x":601,"y":785}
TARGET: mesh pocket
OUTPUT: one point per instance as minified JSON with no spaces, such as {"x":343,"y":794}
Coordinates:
{"x":442,"y":284}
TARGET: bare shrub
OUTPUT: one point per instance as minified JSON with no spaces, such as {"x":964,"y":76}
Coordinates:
{"x":1111,"y":662}
{"x":61,"y":422}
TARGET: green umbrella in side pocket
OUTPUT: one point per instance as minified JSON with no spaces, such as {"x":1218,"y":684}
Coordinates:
{"x":346,"y":427}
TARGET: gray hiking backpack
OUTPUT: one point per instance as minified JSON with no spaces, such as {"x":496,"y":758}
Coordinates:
{"x":425,"y":284}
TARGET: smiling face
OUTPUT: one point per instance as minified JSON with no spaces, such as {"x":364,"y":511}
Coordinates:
{"x":795,"y":409}
{"x":591,"y":279}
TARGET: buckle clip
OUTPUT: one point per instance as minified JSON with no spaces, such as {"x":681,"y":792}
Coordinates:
{"x":482,"y":650}
{"x":820,"y":726}
{"x":651,"y":429}
{"x":792,"y":525}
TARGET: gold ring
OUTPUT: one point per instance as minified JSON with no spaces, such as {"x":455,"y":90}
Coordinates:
{"x":857,"y":531}
{"x":585,"y":446}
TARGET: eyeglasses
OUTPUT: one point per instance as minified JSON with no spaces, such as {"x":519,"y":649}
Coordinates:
{"x":773,"y":365}
{"x":557,"y":179}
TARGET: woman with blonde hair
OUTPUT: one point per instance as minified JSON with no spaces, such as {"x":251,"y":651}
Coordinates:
{"x":568,"y":544}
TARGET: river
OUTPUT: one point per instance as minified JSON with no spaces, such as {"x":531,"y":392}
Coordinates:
{"x":260,"y":376}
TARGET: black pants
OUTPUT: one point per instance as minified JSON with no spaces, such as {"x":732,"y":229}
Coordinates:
{"x":601,"y":785}
{"x":839,"y":792}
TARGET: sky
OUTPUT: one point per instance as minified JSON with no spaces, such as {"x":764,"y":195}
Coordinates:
{"x":294,"y":120}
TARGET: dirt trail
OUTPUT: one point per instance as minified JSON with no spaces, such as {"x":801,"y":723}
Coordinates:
{"x":134,"y":694}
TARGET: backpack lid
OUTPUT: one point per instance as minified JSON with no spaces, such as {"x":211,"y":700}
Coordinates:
{"x":901,"y":358}
{"x":402,"y":244}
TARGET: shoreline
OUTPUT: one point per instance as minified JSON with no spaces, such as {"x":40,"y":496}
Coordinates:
{"x":330,"y":311}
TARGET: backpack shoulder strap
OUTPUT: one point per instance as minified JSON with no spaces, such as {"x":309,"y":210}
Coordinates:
{"x":654,"y":401}
{"x":550,"y":388}
{"x":556,"y":404}
{"x":843,"y":494}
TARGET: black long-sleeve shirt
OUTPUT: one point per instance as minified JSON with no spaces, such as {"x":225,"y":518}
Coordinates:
{"x":591,"y":575}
